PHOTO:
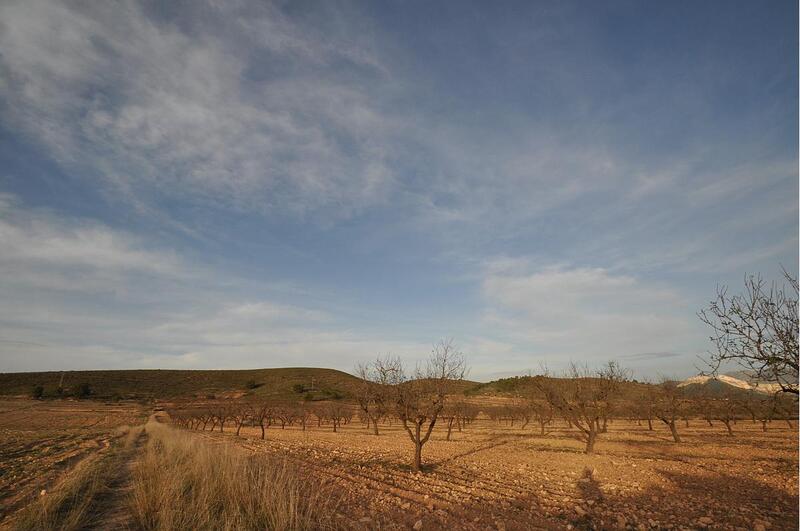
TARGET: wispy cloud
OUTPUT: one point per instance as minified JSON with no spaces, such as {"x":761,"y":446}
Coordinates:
{"x":587,"y":313}
{"x":154,"y":108}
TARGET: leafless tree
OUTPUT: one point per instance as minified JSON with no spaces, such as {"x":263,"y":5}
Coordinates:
{"x":584,"y":398}
{"x":544,"y":413}
{"x":240,"y":414}
{"x":261,"y":414}
{"x":303,"y":415}
{"x":371,"y":394}
{"x":285,"y":415}
{"x":724,"y":408}
{"x":418,"y":399}
{"x":454,"y":414}
{"x":335,"y":412}
{"x":668,"y":406}
{"x":757,"y":329}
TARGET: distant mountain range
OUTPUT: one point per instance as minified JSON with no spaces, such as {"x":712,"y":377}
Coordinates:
{"x":727,"y":382}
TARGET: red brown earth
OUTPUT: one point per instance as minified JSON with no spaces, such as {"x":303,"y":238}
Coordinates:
{"x":490,"y":476}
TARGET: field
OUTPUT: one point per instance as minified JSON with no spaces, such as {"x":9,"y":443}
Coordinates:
{"x":40,"y":442}
{"x":489,"y":476}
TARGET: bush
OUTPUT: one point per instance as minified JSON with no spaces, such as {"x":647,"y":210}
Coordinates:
{"x":299,"y":388}
{"x":38,"y":391}
{"x":84,"y":390}
{"x":251,"y":384}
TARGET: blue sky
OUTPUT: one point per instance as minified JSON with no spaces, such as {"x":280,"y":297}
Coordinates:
{"x":255,"y":184}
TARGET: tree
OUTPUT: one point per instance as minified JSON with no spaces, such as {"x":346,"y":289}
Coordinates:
{"x":261,"y":415}
{"x":336,"y":413}
{"x":544,"y":413}
{"x":371,"y":394}
{"x":240,"y":414}
{"x":668,"y":406}
{"x":584,"y":397}
{"x":758,"y":330}
{"x":418,"y":399}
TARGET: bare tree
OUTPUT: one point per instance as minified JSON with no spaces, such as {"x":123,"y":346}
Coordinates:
{"x":724,"y":408}
{"x":543,"y":412}
{"x":261,"y":414}
{"x":371,"y":394}
{"x":757,"y":329}
{"x":668,"y":406}
{"x":454,"y":414}
{"x":240,"y":414}
{"x":303,"y":415}
{"x":418,"y":399}
{"x":584,"y":398}
{"x":336,"y":413}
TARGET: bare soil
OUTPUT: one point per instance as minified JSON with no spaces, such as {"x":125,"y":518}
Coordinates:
{"x":40,"y":441}
{"x":489,"y":476}
{"x":493,"y":476}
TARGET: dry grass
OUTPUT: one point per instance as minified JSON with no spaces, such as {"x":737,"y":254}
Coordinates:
{"x":181,"y":482}
{"x":70,"y":504}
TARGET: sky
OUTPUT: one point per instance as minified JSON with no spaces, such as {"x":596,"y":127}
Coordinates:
{"x":254,"y":184}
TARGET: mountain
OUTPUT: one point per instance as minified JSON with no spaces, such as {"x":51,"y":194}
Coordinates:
{"x":723,"y":383}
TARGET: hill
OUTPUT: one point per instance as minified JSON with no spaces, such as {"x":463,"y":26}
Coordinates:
{"x":723,"y":384}
{"x":294,"y":383}
{"x":523,"y":385}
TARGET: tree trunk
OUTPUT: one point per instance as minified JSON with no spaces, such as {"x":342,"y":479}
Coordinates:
{"x":541,"y":425}
{"x":375,"y":426}
{"x":728,"y":425}
{"x":650,"y":424}
{"x":590,"y":440}
{"x":417,"y":465}
{"x":450,"y":427}
{"x":674,"y":430}
{"x":238,"y":429}
{"x":764,"y":425}
{"x":263,"y":432}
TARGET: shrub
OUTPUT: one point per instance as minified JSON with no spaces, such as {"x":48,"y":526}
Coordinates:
{"x":38,"y":391}
{"x":84,"y":390}
{"x":299,"y":388}
{"x":251,"y":384}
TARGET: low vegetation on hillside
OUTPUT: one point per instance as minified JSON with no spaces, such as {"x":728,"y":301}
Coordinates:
{"x":290,"y":383}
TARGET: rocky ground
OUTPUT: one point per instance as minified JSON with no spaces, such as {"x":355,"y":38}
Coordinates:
{"x":493,"y":476}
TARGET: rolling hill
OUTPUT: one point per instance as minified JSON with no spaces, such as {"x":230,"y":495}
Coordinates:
{"x":285,"y":383}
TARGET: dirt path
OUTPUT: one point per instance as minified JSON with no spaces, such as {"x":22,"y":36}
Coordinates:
{"x":112,"y":511}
